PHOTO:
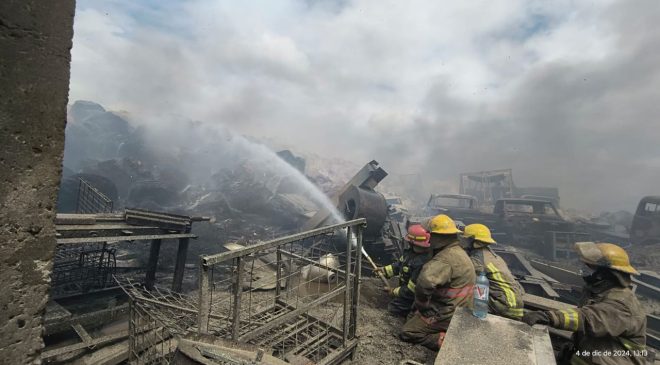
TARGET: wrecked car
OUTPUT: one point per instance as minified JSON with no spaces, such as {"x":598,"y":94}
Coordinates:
{"x":645,"y":228}
{"x":526,"y":222}
{"x":462,"y":208}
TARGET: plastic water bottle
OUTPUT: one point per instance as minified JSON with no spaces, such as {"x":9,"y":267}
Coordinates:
{"x":481,"y":288}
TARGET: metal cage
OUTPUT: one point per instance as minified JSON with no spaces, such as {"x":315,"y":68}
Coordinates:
{"x":91,"y":200}
{"x":294,"y":298}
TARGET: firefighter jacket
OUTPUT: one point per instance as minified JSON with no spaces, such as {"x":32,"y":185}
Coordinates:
{"x":407,"y":267}
{"x":610,"y":324}
{"x":505,"y":293}
{"x":445,"y":282}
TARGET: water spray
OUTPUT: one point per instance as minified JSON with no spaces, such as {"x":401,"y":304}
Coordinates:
{"x":273,"y":162}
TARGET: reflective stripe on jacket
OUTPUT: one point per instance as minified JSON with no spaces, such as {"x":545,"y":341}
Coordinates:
{"x":505,"y":293}
{"x":612,"y":321}
{"x":445,"y":283}
{"x":408,"y":268}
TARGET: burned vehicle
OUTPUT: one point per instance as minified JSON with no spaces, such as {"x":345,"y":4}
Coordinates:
{"x":645,"y":228}
{"x":528,"y":222}
{"x":459,"y":207}
{"x":450,"y":203}
{"x":553,"y":200}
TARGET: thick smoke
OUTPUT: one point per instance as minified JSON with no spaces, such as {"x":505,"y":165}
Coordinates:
{"x":565,"y":94}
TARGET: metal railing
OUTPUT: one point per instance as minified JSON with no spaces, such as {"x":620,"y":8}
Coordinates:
{"x":150,"y":341}
{"x":156,"y":317}
{"x":287,"y":294}
{"x":294,"y":298}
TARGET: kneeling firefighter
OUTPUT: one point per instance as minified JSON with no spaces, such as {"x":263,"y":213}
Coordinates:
{"x":609,"y":323}
{"x":407,"y":268}
{"x":445,"y":283}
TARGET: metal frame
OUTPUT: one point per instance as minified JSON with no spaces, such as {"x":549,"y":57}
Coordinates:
{"x":83,"y":237}
{"x":91,"y":200}
{"x":481,"y":189}
{"x":149,"y":341}
{"x":217,"y":258}
{"x":559,"y":245}
{"x":243,"y":299}
{"x":82,"y":268}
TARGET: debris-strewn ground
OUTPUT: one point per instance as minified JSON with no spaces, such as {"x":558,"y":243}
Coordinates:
{"x":378,"y":331}
{"x":645,"y":257}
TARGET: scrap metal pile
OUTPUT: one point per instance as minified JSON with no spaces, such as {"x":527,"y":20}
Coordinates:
{"x":84,"y":294}
{"x":270,"y":297}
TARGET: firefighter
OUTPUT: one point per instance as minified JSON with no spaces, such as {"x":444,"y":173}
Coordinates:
{"x":407,"y":268}
{"x":505,"y":294}
{"x":445,"y":283}
{"x":609,"y":323}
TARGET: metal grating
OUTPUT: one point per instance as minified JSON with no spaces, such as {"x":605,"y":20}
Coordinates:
{"x":81,"y":268}
{"x":86,"y":266}
{"x":150,"y":342}
{"x":91,"y":200}
{"x":284,"y":296}
{"x":560,"y":245}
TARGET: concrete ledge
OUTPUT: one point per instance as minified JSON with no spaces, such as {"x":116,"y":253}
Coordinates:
{"x":494,"y":340}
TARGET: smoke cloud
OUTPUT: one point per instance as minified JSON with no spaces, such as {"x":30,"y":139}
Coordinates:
{"x":564,"y":93}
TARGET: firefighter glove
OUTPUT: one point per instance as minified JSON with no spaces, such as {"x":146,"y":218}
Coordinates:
{"x":534,"y":317}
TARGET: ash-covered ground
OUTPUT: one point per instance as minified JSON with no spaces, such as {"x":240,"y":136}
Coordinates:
{"x":378,"y":331}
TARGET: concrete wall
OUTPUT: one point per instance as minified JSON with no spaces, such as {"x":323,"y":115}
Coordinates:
{"x":35,"y":43}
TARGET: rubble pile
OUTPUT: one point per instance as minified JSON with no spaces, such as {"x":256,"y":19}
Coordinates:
{"x":249,"y":206}
{"x":329,"y":174}
{"x":246,"y":201}
{"x":646,"y":257}
{"x":106,"y":150}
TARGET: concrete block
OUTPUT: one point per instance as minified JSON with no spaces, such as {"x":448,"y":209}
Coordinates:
{"x":494,"y":340}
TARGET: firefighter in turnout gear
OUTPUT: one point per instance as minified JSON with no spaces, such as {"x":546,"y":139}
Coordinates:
{"x":407,"y":268}
{"x":445,"y":283}
{"x":609,"y":323}
{"x":505,"y":294}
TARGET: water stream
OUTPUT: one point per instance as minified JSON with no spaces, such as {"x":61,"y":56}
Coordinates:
{"x":273,"y":161}
{"x":219,"y":147}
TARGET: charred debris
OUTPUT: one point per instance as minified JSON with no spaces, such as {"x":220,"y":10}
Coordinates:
{"x":155,"y":267}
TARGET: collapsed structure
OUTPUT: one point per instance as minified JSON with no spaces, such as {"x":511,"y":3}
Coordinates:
{"x":490,"y":186}
{"x":285,"y":300}
{"x":83,"y":288}
{"x":88,"y":262}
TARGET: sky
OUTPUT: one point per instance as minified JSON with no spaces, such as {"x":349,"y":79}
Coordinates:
{"x":563,"y":92}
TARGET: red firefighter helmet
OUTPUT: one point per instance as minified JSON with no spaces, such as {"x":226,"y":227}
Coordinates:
{"x":418,"y":236}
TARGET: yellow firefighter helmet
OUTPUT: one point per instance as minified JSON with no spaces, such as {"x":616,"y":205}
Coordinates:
{"x":442,"y":224}
{"x":605,"y":255}
{"x":480,"y":233}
